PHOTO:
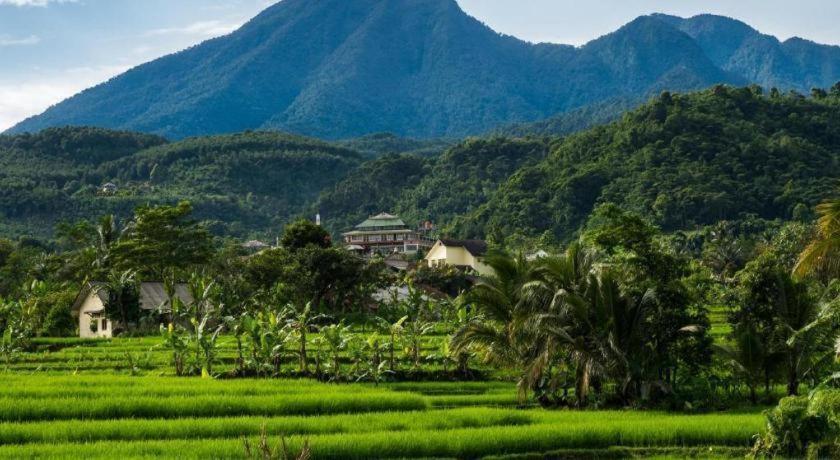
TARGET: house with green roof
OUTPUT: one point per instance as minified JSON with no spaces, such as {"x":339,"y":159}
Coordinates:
{"x":384,"y":234}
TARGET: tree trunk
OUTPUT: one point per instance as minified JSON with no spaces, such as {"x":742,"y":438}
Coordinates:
{"x":582,"y":386}
{"x":391,"y":364}
{"x":304,"y":368}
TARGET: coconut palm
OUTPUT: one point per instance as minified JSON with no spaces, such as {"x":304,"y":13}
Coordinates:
{"x":747,"y":357}
{"x":822,"y":256}
{"x":602,"y":327}
{"x":501,"y":327}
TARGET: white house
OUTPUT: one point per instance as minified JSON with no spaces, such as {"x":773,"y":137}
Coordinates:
{"x":89,"y":307}
{"x":465,"y":254}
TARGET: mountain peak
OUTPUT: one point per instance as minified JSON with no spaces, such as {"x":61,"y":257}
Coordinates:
{"x":421,"y":68}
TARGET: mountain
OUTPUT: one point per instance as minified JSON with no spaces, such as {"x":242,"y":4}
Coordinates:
{"x":422,"y":68}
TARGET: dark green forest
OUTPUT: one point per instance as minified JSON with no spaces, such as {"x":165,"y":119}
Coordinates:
{"x":683,"y":161}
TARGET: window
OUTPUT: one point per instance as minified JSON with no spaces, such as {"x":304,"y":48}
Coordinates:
{"x":104,"y":324}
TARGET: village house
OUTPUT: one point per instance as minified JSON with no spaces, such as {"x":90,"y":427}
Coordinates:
{"x":463,"y":254}
{"x":109,"y":188}
{"x":386,"y":234}
{"x":89,"y":307}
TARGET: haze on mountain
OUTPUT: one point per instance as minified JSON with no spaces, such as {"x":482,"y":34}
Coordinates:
{"x":423,"y":68}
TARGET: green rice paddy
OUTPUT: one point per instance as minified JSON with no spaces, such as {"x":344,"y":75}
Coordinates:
{"x":103,"y":412}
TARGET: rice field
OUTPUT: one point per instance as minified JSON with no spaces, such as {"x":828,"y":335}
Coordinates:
{"x":104,"y":412}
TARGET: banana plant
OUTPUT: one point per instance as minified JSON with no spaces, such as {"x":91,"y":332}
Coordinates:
{"x":395,"y":332}
{"x":335,"y":338}
{"x":206,"y":345}
{"x":377,"y":368}
{"x":176,"y":341}
{"x":301,"y":321}
{"x":414,"y":332}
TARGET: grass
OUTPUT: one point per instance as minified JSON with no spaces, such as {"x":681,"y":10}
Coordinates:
{"x":80,"y":403}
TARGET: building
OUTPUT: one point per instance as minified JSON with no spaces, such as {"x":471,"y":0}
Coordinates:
{"x":89,"y":307}
{"x":385,"y":234}
{"x":109,"y":188}
{"x":463,"y":254}
{"x":255,"y":246}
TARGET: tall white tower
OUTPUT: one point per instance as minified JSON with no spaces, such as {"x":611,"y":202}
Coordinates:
{"x":318,"y":219}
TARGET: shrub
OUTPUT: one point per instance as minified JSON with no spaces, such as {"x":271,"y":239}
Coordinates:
{"x":802,"y":426}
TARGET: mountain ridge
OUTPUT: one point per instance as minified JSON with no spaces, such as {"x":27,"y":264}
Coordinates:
{"x":425,"y":68}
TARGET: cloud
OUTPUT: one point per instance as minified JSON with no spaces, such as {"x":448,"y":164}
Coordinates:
{"x":212,"y":28}
{"x":20,"y":100}
{"x":40,"y":3}
{"x":6,"y":40}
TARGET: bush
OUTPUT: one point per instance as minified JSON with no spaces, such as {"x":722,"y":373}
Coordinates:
{"x":802,"y":427}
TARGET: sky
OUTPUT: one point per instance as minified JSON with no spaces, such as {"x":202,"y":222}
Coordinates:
{"x":52,"y":49}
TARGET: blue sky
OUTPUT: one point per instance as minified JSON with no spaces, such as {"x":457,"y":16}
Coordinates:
{"x":51,"y":49}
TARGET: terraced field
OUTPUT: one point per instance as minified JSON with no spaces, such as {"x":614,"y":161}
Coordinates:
{"x":83,"y":402}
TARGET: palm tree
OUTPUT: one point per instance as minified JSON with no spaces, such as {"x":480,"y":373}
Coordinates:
{"x":118,"y":290}
{"x":822,"y":256}
{"x":107,"y":234}
{"x":500,"y":325}
{"x":805,"y":328}
{"x":747,"y":358}
{"x":602,"y":327}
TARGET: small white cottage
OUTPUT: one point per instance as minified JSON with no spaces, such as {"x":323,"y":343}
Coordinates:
{"x":89,"y":306}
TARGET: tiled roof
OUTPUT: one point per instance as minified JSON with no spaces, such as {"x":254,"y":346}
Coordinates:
{"x":382,"y":220}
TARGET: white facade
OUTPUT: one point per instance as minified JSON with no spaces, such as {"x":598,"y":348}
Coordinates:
{"x":92,"y":321}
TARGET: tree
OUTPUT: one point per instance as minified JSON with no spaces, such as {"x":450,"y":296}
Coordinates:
{"x":122,"y":299}
{"x":303,"y":233}
{"x":748,"y":357}
{"x":498,"y":331}
{"x":822,"y":256}
{"x":163,"y":239}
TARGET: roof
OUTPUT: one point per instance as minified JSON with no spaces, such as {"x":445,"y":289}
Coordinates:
{"x":374,"y":232}
{"x":88,"y":289}
{"x":382,"y":220}
{"x":254,"y":244}
{"x":355,"y":247}
{"x":475,"y":247}
{"x":153,"y":296}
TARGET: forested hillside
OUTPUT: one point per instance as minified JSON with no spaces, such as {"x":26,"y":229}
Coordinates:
{"x":241,"y":184}
{"x":436,"y":189}
{"x":683,"y":161}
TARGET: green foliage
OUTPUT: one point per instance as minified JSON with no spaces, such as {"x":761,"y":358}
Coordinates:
{"x":163,"y":239}
{"x":303,"y":233}
{"x":249,"y":183}
{"x":682,"y":161}
{"x":802,"y":427}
